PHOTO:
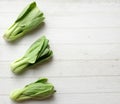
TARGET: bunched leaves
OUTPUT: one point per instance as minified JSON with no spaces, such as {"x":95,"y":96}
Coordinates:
{"x":38,"y":90}
{"x":30,"y":18}
{"x":38,"y":52}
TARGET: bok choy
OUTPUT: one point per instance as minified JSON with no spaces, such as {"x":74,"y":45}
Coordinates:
{"x":38,"y":52}
{"x":30,"y":18}
{"x":38,"y":90}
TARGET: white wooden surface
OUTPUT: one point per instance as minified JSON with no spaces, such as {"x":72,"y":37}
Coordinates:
{"x":85,"y":38}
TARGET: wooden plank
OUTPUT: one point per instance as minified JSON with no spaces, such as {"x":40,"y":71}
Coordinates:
{"x":68,"y":36}
{"x":67,"y":51}
{"x":67,"y":17}
{"x":111,"y":98}
{"x":68,"y":5}
{"x":74,"y":21}
{"x":68,"y":85}
{"x":67,"y":69}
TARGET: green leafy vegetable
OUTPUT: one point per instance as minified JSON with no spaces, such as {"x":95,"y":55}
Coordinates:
{"x":30,"y":18}
{"x":38,"y":90}
{"x":38,"y":52}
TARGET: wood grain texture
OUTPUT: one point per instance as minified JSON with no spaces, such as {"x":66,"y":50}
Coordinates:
{"x":84,"y":36}
{"x":68,"y":85}
{"x":68,"y":51}
{"x":69,"y":68}
{"x":100,"y":98}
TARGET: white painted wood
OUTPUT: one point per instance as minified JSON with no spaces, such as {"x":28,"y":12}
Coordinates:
{"x":67,"y":69}
{"x":100,"y":98}
{"x":68,"y":5}
{"x":80,"y":20}
{"x":67,"y":85}
{"x":59,"y":18}
{"x":68,"y":51}
{"x":84,"y":36}
{"x":68,"y":36}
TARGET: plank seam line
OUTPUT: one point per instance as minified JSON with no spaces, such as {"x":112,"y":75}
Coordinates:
{"x":81,"y":76}
{"x":78,"y":93}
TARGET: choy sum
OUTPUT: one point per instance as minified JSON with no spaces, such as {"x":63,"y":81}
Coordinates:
{"x":38,"y":90}
{"x":30,"y":18}
{"x":38,"y":52}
